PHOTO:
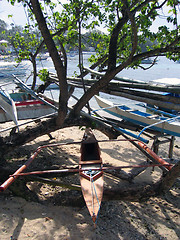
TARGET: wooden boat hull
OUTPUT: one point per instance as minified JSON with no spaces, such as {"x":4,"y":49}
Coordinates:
{"x":139,"y":118}
{"x":167,"y":82}
{"x":91,"y":179}
{"x":93,"y":199}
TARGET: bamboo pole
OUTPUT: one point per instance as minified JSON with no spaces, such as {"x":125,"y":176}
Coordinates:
{"x":127,"y":84}
{"x":155,"y":156}
{"x":164,"y":163}
{"x":146,"y":100}
{"x":11,"y":179}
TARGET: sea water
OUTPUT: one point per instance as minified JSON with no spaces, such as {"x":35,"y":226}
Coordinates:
{"x":164,"y":68}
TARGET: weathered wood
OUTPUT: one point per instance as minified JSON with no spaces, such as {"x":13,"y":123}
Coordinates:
{"x":171,"y":146}
{"x":122,"y":79}
{"x":116,"y":88}
{"x":151,"y":95}
{"x":157,"y":142}
{"x":131,"y":83}
{"x":168,"y":180}
{"x":147,"y":100}
{"x":122,"y":84}
{"x":150,"y":98}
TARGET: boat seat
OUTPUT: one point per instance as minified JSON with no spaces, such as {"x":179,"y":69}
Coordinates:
{"x":128,"y":110}
{"x":152,"y":116}
{"x":90,"y":152}
{"x":91,"y":162}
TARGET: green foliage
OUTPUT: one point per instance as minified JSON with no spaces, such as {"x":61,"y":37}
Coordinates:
{"x":43,"y":75}
{"x":125,"y":20}
{"x":25,"y":41}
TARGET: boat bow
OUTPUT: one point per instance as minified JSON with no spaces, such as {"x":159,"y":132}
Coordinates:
{"x":91,"y":179}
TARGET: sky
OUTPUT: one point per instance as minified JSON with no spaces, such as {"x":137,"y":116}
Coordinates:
{"x":18,"y":12}
{"x":18,"y":18}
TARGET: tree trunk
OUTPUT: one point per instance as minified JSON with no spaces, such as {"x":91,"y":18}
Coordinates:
{"x":60,"y":69}
{"x":34,"y":72}
{"x":144,"y":192}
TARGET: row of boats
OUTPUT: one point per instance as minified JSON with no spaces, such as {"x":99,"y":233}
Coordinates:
{"x":26,"y":104}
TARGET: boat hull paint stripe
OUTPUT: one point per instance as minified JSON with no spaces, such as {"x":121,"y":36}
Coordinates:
{"x":113,"y":110}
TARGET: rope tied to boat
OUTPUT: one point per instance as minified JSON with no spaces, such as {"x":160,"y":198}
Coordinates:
{"x":90,"y":172}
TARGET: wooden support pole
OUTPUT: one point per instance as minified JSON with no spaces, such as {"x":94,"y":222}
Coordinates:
{"x":171,"y":146}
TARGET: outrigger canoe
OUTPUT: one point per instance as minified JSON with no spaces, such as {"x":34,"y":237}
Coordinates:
{"x":91,"y":179}
{"x":140,"y":118}
{"x":90,"y":169}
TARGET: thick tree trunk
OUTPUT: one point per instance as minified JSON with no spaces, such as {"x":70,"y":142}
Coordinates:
{"x":60,"y":69}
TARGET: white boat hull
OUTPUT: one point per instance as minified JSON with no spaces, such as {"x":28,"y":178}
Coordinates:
{"x":172,"y":128}
{"x":7,"y":106}
{"x":27,"y":112}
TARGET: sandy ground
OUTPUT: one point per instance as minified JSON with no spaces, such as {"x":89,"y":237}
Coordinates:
{"x":157,"y":218}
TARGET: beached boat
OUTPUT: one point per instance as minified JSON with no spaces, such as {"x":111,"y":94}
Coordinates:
{"x":23,"y":107}
{"x":8,"y":108}
{"x":167,"y":82}
{"x":26,"y":104}
{"x":140,"y":118}
{"x":91,"y":179}
{"x":90,"y":168}
{"x":90,"y":171}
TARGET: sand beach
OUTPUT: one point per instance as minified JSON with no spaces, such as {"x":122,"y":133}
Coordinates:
{"x":54,"y":217}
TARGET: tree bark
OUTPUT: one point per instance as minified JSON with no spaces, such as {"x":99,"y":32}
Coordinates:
{"x":60,"y":69}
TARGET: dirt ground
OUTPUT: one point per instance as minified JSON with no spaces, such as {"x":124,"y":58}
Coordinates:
{"x":54,"y":217}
